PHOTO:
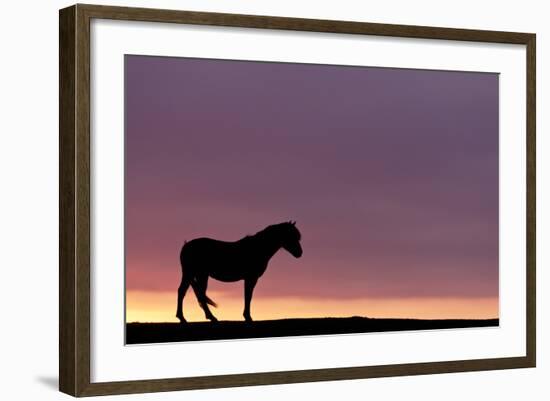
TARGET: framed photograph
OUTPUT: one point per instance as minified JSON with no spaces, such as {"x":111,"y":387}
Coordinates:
{"x":250,"y":200}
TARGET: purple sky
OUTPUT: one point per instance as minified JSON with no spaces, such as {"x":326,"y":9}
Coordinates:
{"x":391,"y":174}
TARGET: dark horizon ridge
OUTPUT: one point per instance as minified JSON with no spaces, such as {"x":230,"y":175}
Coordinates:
{"x":148,"y":333}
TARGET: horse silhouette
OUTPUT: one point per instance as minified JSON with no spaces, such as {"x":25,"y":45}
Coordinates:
{"x":245,"y":259}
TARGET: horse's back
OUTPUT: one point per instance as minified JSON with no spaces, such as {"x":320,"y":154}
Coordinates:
{"x":218,"y":259}
{"x":200,"y":245}
{"x":204,"y":250}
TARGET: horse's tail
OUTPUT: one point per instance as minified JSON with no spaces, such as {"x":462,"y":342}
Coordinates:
{"x":209,"y":301}
{"x":201,"y":295}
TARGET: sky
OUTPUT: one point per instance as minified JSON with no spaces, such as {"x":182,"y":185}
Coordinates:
{"x":391,"y":175}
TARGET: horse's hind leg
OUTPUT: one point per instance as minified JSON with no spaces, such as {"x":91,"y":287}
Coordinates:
{"x":184,"y":285}
{"x":199,"y":286}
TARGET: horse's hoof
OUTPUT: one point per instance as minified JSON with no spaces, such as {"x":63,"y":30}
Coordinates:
{"x":182,"y":320}
{"x":212,"y":319}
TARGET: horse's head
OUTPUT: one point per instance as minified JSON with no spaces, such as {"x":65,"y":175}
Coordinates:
{"x":290,"y":237}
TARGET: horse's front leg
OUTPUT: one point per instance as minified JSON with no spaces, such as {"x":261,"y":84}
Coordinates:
{"x":249,"y":284}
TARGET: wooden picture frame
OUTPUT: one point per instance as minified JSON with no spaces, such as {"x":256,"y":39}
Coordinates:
{"x":74,"y":199}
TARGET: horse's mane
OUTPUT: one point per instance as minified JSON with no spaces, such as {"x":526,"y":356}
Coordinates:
{"x":272,"y":231}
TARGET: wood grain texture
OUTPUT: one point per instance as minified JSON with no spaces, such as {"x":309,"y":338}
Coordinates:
{"x":301,"y":376}
{"x":74,"y":199}
{"x":301,"y":24}
{"x":67,"y":130}
{"x":531,"y":202}
{"x":82,"y":201}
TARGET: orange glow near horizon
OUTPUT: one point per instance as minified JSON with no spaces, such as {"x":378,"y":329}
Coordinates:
{"x":144,"y":306}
